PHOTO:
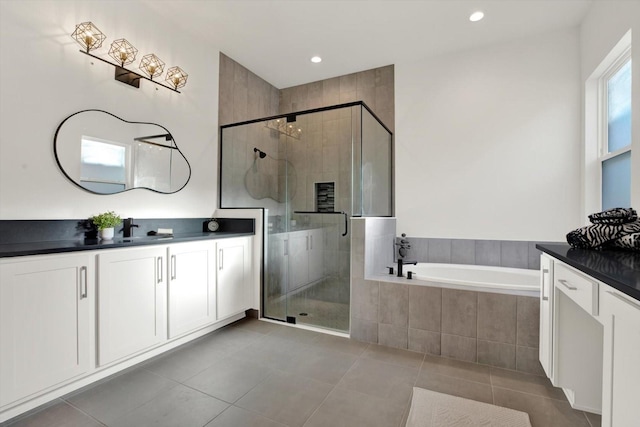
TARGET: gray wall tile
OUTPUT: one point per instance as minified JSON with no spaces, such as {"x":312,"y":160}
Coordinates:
{"x":424,"y":341}
{"x":439,"y":250}
{"x":534,"y":256}
{"x":364,"y":330}
{"x":497,"y":317}
{"x":364,"y":299}
{"x":488,"y":252}
{"x":497,"y":354}
{"x":528,"y":321}
{"x":425,"y":308}
{"x":459,"y":312}
{"x":394,"y":304}
{"x":527,"y":360}
{"x":463,"y":251}
{"x":392,"y":335}
{"x":457,"y":347}
{"x":514,"y":254}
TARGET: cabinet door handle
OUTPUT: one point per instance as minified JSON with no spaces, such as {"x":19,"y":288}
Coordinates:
{"x":621,"y":298}
{"x":307,"y":242}
{"x":83,"y":282}
{"x":286,"y":247}
{"x":220,"y":259}
{"x":174,"y":269}
{"x":311,"y":242}
{"x":567,"y":285}
{"x":544,"y":287}
{"x":159,"y":267}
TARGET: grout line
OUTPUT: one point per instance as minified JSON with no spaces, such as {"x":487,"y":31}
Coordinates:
{"x":532,"y":394}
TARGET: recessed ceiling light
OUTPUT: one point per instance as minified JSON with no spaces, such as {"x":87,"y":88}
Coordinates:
{"x":476,"y":16}
{"x":316,"y":59}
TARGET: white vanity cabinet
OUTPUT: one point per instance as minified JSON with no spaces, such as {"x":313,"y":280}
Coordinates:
{"x":191,"y":286}
{"x":577,"y":338}
{"x":233,"y":276}
{"x":45,"y":322}
{"x":305,"y":257}
{"x":131,"y":301}
{"x":621,"y":374}
{"x":546,"y":315}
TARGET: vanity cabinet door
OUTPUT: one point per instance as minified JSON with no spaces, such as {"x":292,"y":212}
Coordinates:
{"x":546,"y":315}
{"x":131,"y":301}
{"x":45,"y":319}
{"x":192,"y":292}
{"x":621,"y":373}
{"x":233,"y":276}
{"x":298,"y":259}
{"x":316,"y":258}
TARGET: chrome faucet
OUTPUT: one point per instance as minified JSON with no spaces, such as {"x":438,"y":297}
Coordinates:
{"x":402,"y":262}
{"x":127,"y":226}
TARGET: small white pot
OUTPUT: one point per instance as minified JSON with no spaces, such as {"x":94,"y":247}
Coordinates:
{"x":106,"y":233}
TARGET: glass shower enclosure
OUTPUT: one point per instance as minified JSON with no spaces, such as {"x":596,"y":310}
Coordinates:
{"x":310,"y":172}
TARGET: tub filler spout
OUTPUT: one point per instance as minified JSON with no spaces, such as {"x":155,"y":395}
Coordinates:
{"x":402,"y":262}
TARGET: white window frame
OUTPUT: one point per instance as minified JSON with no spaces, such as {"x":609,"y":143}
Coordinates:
{"x":596,"y":124}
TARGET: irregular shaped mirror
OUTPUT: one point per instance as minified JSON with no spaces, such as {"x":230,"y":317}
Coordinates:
{"x":105,"y":154}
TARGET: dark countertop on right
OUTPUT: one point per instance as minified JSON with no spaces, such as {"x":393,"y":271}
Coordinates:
{"x":618,"y":269}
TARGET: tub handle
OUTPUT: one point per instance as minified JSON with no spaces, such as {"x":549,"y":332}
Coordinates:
{"x":567,"y":285}
{"x":409,"y":275}
{"x":390,"y":270}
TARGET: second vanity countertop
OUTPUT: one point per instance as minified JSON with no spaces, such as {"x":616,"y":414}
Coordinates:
{"x":53,"y":247}
{"x":618,"y":269}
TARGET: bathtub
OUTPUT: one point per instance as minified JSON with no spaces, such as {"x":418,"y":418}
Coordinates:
{"x":515,"y":281}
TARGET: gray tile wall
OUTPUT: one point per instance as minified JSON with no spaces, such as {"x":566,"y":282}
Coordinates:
{"x":487,"y":328}
{"x":502,"y":253}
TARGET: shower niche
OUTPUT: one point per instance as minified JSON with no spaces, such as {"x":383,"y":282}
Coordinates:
{"x":309,"y":171}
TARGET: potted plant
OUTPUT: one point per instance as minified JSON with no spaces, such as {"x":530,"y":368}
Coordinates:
{"x":105,"y":222}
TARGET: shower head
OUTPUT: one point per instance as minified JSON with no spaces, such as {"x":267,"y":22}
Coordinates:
{"x":260,"y":152}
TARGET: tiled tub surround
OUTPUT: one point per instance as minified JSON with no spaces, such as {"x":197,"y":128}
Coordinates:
{"x":487,"y":328}
{"x":493,"y":329}
{"x":499,"y":253}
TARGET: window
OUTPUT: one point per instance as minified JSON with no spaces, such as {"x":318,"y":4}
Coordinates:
{"x":615,"y":133}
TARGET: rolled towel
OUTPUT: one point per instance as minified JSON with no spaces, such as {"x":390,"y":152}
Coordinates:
{"x":597,"y":236}
{"x":614,"y":216}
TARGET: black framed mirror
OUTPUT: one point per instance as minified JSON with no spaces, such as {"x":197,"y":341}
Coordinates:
{"x":105,"y":154}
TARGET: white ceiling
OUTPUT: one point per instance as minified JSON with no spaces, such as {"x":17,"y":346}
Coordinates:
{"x":276,"y":38}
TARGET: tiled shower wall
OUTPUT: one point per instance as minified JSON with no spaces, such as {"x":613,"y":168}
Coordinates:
{"x":502,"y":253}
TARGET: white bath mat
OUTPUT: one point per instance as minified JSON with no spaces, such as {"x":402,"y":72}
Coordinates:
{"x":432,"y":409}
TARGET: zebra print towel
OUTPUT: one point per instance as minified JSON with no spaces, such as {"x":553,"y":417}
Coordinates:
{"x":605,"y":236}
{"x":614,"y":216}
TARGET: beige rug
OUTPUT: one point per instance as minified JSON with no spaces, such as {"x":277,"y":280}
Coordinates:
{"x":432,"y":409}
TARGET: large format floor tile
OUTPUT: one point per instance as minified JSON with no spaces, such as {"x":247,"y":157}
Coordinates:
{"x":178,"y":406}
{"x":344,"y":408}
{"x":255,"y":373}
{"x":289,"y":399}
{"x":229,"y":379}
{"x":124,"y":393}
{"x":60,"y":414}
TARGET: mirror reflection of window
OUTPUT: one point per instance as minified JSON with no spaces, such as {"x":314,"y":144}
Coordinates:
{"x":103,"y":165}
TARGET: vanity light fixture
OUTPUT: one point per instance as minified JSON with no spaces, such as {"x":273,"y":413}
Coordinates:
{"x":151,"y":65}
{"x":476,"y":16}
{"x":176,"y":77}
{"x":90,"y":38}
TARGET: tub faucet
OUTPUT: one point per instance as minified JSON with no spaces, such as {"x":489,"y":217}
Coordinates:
{"x":402,"y":262}
{"x":127,"y":226}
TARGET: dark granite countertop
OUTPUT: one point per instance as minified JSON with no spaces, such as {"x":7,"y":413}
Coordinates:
{"x":60,"y":246}
{"x":618,"y":269}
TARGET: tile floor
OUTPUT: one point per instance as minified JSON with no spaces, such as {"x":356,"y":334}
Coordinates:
{"x":255,"y":373}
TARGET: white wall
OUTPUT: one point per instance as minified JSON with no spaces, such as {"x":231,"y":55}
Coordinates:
{"x":488,"y":141}
{"x":602,"y":28}
{"x":44,"y":78}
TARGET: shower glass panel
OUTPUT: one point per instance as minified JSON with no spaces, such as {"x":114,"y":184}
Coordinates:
{"x":311,"y":172}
